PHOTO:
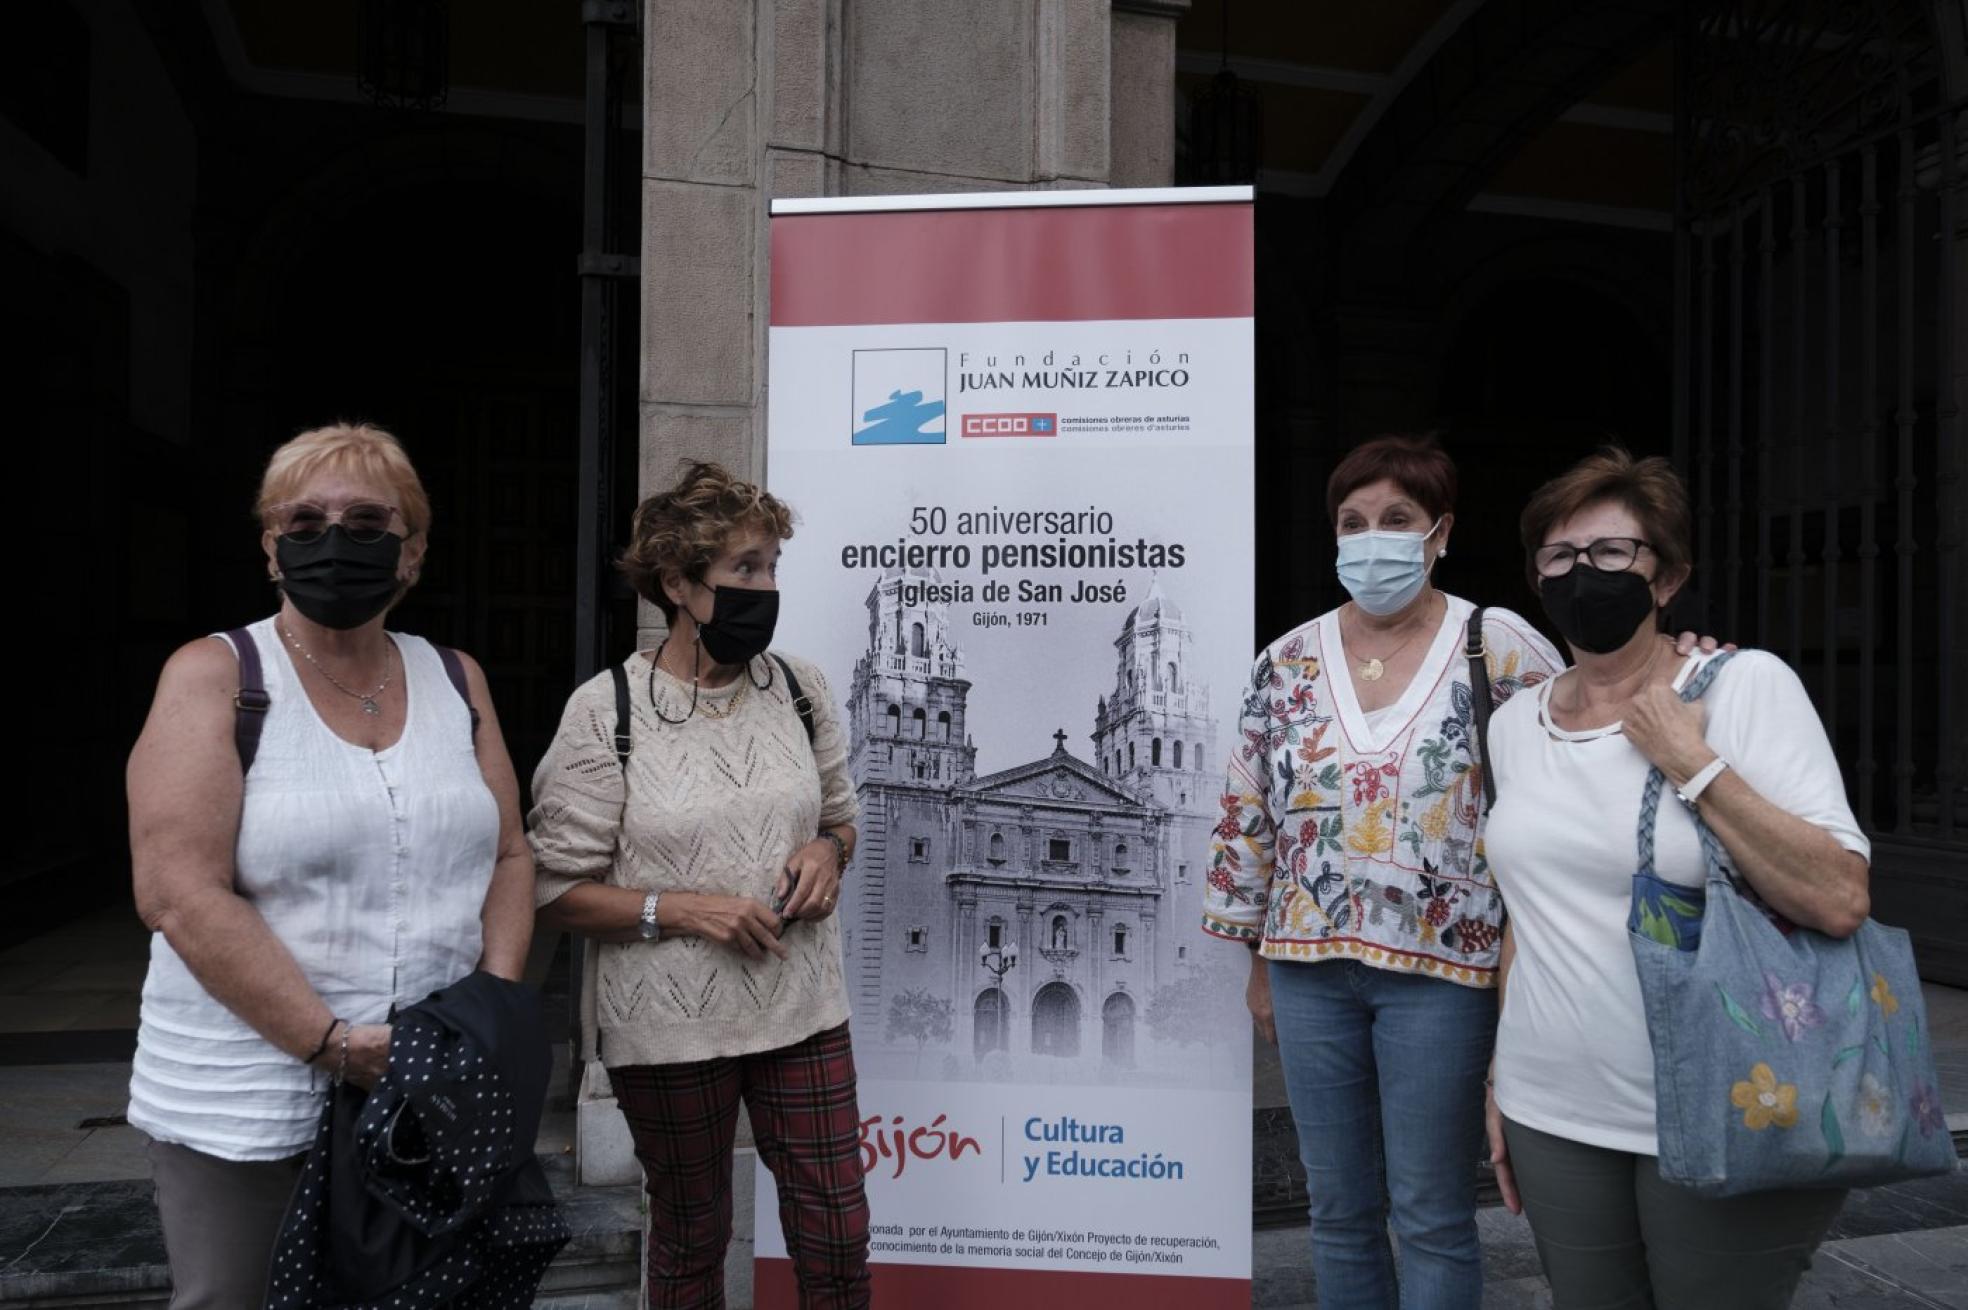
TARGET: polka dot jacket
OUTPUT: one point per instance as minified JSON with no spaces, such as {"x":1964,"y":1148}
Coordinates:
{"x":426,"y":1192}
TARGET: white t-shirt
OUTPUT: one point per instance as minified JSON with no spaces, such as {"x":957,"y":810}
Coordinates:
{"x":1573,"y":1057}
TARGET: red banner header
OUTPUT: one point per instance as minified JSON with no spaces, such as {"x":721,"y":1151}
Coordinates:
{"x":1012,"y":265}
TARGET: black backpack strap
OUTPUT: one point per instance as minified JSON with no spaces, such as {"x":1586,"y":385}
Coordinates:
{"x":802,"y":703}
{"x":454,"y":669}
{"x":251,"y":702}
{"x":1480,"y":701}
{"x":622,"y":739}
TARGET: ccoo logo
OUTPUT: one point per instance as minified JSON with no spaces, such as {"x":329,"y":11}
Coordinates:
{"x":1010,"y":425}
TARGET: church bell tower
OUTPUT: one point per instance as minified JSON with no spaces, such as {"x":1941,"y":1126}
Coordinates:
{"x":1153,"y":732}
{"x":907,"y":704}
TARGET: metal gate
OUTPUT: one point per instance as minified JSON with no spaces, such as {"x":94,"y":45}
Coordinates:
{"x":1819,"y":275}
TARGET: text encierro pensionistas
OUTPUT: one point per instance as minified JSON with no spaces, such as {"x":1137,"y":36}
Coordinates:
{"x":1052,"y":539}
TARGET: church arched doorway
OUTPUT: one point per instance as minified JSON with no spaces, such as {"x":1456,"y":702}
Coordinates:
{"x":1056,"y":1021}
{"x":990,"y":1023}
{"x":1117,"y":1030}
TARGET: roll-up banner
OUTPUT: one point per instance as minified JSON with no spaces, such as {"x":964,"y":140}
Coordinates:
{"x":1017,"y":431}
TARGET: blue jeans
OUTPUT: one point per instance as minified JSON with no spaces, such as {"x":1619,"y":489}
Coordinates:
{"x":1385,"y":1075}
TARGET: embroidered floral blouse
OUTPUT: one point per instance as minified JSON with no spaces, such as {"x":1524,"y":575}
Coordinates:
{"x":1353,"y":836}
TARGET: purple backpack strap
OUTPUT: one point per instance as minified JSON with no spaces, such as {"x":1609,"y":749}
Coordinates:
{"x":454,"y":669}
{"x":250,"y":702}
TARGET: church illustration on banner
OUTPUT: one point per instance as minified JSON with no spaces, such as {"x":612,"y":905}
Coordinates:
{"x":1038,"y":923}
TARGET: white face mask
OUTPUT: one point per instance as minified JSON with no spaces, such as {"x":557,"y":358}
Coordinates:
{"x":1383,"y":571}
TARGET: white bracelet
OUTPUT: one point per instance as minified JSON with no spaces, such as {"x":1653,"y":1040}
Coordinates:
{"x":1690,"y":791}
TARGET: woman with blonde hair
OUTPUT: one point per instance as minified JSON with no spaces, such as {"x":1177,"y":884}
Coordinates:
{"x":694,"y":816}
{"x":324,"y":828}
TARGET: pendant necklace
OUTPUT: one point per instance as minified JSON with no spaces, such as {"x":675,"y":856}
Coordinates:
{"x":1372,"y":668}
{"x":369,"y":705}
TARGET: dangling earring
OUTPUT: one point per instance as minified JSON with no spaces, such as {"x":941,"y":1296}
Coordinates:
{"x":273,"y":576}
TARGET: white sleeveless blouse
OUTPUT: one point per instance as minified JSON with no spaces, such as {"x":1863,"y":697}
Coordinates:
{"x":371,"y":867}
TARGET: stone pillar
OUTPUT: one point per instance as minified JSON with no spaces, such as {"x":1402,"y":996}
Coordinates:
{"x":1141,"y":92}
{"x":700,"y":218}
{"x":751,"y":99}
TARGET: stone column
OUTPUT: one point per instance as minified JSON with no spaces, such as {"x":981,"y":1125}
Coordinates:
{"x":751,"y":99}
{"x":1141,"y":92}
{"x":700,"y":206}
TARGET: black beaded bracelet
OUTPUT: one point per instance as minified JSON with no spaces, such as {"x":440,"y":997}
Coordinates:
{"x":840,"y":849}
{"x":322,"y":1045}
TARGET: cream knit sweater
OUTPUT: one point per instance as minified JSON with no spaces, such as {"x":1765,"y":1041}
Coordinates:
{"x":713,"y":804}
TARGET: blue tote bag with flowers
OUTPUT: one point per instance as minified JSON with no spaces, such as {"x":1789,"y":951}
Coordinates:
{"x":1782,"y":1057}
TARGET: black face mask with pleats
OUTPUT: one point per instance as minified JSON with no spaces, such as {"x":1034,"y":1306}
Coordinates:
{"x":337,"y":581}
{"x":1594,"y":610}
{"x":741,"y":624}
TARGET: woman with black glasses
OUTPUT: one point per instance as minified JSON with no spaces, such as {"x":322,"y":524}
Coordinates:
{"x":324,"y":827}
{"x":1573,"y":1097}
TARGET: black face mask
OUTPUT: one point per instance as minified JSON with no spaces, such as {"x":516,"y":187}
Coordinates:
{"x":336,"y":581}
{"x":1595,"y":611}
{"x":741,"y":624}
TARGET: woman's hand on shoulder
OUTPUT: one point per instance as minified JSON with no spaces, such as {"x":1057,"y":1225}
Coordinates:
{"x":1688,"y":643}
{"x":1669,"y":732}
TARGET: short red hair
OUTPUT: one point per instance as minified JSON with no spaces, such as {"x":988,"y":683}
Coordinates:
{"x":1416,"y":464}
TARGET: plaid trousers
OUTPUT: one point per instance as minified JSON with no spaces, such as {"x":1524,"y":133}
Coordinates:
{"x":684,"y":1118}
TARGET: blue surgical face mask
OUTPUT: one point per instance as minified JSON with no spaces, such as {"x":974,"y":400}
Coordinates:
{"x":1383,"y":571}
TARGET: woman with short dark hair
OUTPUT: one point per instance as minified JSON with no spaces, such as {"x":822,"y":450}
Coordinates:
{"x":705,"y":853}
{"x":1606,"y":546}
{"x":1350,"y":860}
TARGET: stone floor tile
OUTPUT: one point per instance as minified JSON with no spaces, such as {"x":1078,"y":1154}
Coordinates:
{"x":38,"y":1012}
{"x":1517,"y":1294}
{"x":102,"y":1154}
{"x":27,"y":1153}
{"x":1932,"y":1265}
{"x":116,"y":974}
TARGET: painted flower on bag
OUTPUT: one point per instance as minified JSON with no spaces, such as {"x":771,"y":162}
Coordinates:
{"x":1882,"y":994}
{"x":1765,"y":1101}
{"x":1876,"y":1112}
{"x":1791,"y":1006}
{"x":1925,"y":1107}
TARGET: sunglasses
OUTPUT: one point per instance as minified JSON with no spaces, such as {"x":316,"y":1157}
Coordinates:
{"x":301,"y":521}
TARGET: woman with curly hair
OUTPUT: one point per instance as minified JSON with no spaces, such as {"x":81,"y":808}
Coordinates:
{"x":703,"y":850}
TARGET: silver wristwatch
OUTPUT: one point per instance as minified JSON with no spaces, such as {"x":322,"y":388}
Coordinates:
{"x":647,"y":925}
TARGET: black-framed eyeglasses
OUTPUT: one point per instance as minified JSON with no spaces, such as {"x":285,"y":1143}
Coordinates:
{"x":1608,"y":555}
{"x":302,"y":521}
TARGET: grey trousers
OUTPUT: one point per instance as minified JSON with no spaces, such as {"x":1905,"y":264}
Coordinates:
{"x":220,"y":1220}
{"x":1612,"y":1234}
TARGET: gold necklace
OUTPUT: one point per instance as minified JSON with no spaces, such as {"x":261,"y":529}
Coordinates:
{"x":368,"y":700}
{"x":1372,"y":668}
